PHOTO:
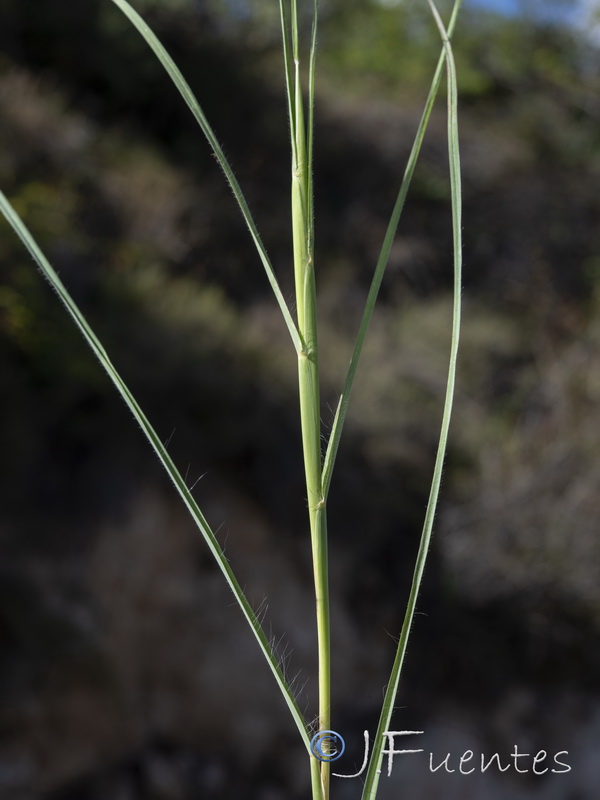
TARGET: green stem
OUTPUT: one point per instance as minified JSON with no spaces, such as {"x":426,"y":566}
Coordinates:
{"x":310,"y":419}
{"x":315,"y":780}
{"x":308,"y":363}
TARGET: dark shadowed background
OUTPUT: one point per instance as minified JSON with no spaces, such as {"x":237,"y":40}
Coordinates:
{"x":125,"y":670}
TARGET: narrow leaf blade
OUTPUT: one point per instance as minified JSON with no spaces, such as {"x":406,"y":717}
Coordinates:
{"x":155,"y":442}
{"x":372,"y":777}
{"x":194,"y":106}
{"x":342,"y":407}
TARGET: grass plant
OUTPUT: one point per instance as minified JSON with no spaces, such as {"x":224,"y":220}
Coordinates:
{"x":303,"y":331}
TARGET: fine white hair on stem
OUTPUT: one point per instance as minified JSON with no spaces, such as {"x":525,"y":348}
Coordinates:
{"x":197,"y":481}
{"x":168,"y":442}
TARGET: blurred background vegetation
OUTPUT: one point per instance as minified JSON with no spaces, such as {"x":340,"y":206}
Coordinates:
{"x":124,"y":671}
